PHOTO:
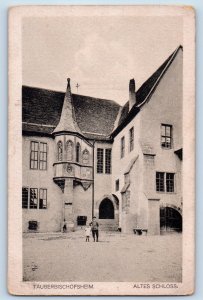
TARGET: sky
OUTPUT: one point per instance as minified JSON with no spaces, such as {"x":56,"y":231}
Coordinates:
{"x":100,"y":54}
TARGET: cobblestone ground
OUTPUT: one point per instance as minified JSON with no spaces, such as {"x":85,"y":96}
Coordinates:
{"x":116,"y":257}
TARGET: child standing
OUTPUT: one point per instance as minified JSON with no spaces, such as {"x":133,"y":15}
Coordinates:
{"x":87,"y":233}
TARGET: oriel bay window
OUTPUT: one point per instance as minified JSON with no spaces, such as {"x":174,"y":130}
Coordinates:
{"x":38,"y":155}
{"x":34,"y":198}
{"x":165,"y":182}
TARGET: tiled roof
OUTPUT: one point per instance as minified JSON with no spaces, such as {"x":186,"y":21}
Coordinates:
{"x":94,"y":116}
{"x":146,"y":90}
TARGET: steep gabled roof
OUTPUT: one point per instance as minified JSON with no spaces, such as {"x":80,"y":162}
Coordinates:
{"x":146,"y":90}
{"x":41,"y":112}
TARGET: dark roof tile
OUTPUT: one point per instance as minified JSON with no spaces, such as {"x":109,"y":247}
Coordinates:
{"x":43,"y":107}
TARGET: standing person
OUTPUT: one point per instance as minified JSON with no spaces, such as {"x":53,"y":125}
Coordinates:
{"x":87,"y":232}
{"x":95,"y":229}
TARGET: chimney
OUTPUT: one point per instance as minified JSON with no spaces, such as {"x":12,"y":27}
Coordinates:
{"x":132,"y":95}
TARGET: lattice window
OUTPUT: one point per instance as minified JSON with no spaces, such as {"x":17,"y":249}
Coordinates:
{"x":43,"y":156}
{"x":160,"y":182}
{"x":108,"y":161}
{"x":42,"y":198}
{"x":165,"y":182}
{"x":166,"y":136}
{"x":34,"y":155}
{"x":100,"y":158}
{"x":33,"y":198}
{"x":170,"y":182}
{"x":25,"y":197}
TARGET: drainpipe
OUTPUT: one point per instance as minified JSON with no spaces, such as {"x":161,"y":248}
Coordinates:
{"x":93,"y":181}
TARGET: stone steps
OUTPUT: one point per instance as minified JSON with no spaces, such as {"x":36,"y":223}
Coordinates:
{"x":108,"y":225}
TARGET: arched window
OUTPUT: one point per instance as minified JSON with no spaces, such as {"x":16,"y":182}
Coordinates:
{"x":170,"y":219}
{"x":85,"y":157}
{"x":60,"y":151}
{"x":69,"y":150}
{"x":77,"y":152}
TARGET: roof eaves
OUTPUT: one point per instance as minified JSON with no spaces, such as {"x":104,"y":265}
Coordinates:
{"x":160,"y":77}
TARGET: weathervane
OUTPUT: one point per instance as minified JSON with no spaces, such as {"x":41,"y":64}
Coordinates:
{"x":77,"y":86}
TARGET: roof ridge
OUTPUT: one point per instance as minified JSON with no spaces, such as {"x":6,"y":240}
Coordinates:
{"x":57,"y":91}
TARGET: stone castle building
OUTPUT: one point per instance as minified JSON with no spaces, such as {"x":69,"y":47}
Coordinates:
{"x":84,"y":156}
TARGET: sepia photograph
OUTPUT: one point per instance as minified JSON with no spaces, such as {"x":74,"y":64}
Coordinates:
{"x":101,"y":123}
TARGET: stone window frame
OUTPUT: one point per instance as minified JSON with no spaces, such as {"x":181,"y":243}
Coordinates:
{"x":87,"y":160}
{"x":72,"y":146}
{"x":60,"y":153}
{"x":78,"y":152}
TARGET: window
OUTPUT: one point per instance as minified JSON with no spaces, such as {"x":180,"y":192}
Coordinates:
{"x":30,"y":198}
{"x":166,"y":136}
{"x":69,"y":150}
{"x":131,"y":139}
{"x":25,"y":192}
{"x":117,"y":185}
{"x":42,"y":198}
{"x":43,"y":156}
{"x":100,"y":158}
{"x":34,"y":155}
{"x":33,"y":198}
{"x":104,"y":163}
{"x":108,"y":161}
{"x":78,"y":152}
{"x":38,"y":155}
{"x":160,"y":181}
{"x":59,"y":151}
{"x":85,"y":157}
{"x":165,"y":182}
{"x":122,"y":147}
{"x":170,"y":182}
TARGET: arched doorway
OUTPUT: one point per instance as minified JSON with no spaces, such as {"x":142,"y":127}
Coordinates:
{"x":106,"y":209}
{"x":170,"y":219}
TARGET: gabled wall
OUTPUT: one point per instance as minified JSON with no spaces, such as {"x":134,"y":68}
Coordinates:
{"x":164,"y":107}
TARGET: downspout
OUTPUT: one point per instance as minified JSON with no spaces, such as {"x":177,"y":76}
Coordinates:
{"x":93,"y":181}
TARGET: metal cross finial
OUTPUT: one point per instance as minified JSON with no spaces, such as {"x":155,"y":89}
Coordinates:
{"x":77,"y":86}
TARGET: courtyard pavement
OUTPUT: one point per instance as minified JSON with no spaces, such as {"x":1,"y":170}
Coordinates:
{"x":116,"y":257}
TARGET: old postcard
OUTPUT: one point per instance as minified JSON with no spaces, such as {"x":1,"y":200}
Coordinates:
{"x":101,"y":150}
